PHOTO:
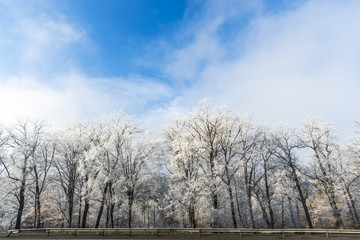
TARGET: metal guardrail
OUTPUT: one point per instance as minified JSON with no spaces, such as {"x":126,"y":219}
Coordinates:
{"x":185,"y":231}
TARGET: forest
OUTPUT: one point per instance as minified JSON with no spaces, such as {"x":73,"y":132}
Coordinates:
{"x":209,"y":168}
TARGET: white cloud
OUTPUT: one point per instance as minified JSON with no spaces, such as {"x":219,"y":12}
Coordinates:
{"x":44,"y":36}
{"x":205,"y":47}
{"x":281,"y":66}
{"x":26,"y":97}
{"x":303,"y":61}
{"x":40,"y":79}
{"x":36,"y":39}
{"x":74,"y":96}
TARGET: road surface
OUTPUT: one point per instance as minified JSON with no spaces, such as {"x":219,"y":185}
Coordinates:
{"x":84,"y":236}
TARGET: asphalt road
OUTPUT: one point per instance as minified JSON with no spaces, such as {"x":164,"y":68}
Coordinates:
{"x":23,"y":236}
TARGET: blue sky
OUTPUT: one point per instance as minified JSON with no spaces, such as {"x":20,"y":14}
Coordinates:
{"x":278,"y":61}
{"x":121,"y":32}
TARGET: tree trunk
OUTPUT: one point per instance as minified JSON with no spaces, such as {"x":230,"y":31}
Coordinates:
{"x":268,"y":197}
{"x":37,"y":199}
{"x":214,"y":195}
{"x":298,"y":215}
{"x":271,"y":212}
{"x":232,"y":206}
{"x":79,"y":212}
{"x":70,"y":195}
{"x":329,"y":187}
{"x":154,"y":217}
{"x":85,"y":213}
{"x":263,"y":209}
{"x":192,"y":221}
{"x":336,"y":212}
{"x":112,"y":205}
{"x":21,"y":200}
{"x":101,"y":207}
{"x":291,"y":210}
{"x":354,"y":211}
{"x":282,"y":213}
{"x":107,"y":216}
{"x":302,"y":197}
{"x":130,"y":194}
{"x":143,"y":213}
{"x":239,"y":207}
{"x":35,"y":213}
{"x":112,"y":221}
{"x":20,"y":209}
{"x":70,"y":210}
{"x":264,"y":213}
{"x":148,"y":215}
{"x":37,"y":209}
{"x":250,"y":208}
{"x":215,"y":207}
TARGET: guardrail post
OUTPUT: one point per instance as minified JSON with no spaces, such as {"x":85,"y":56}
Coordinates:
{"x":327,"y":234}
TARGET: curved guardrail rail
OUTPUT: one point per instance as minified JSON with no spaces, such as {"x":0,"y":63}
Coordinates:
{"x":185,"y":231}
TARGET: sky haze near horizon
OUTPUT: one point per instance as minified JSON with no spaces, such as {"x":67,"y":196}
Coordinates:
{"x":278,"y":61}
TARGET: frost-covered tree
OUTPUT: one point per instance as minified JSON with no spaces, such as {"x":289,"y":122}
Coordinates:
{"x":232,"y":133}
{"x":69,"y":151}
{"x":123,"y":156}
{"x":23,"y":144}
{"x":3,"y":140}
{"x":286,"y":201}
{"x":350,"y":174}
{"x":205,"y":143}
{"x":136,"y":160}
{"x":264,"y":191}
{"x":250,"y":150}
{"x":89,"y":169}
{"x":218,"y":170}
{"x":40,"y":166}
{"x":3,"y":143}
{"x":286,"y":145}
{"x":184,"y":155}
{"x":3,"y":178}
{"x":205,"y":125}
{"x":320,"y":137}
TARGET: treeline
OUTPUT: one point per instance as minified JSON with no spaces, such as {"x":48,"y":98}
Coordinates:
{"x":209,"y":169}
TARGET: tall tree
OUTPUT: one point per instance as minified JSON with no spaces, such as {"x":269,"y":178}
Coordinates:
{"x":39,"y":169}
{"x":233,"y":129}
{"x":69,"y":151}
{"x":3,"y":143}
{"x":24,"y":140}
{"x":350,"y":174}
{"x":184,"y":155}
{"x":286,"y":144}
{"x":265,"y":190}
{"x":117,"y":134}
{"x":320,"y":138}
{"x":136,"y":157}
{"x":89,"y":168}
{"x":206,"y":124}
{"x":249,"y":146}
